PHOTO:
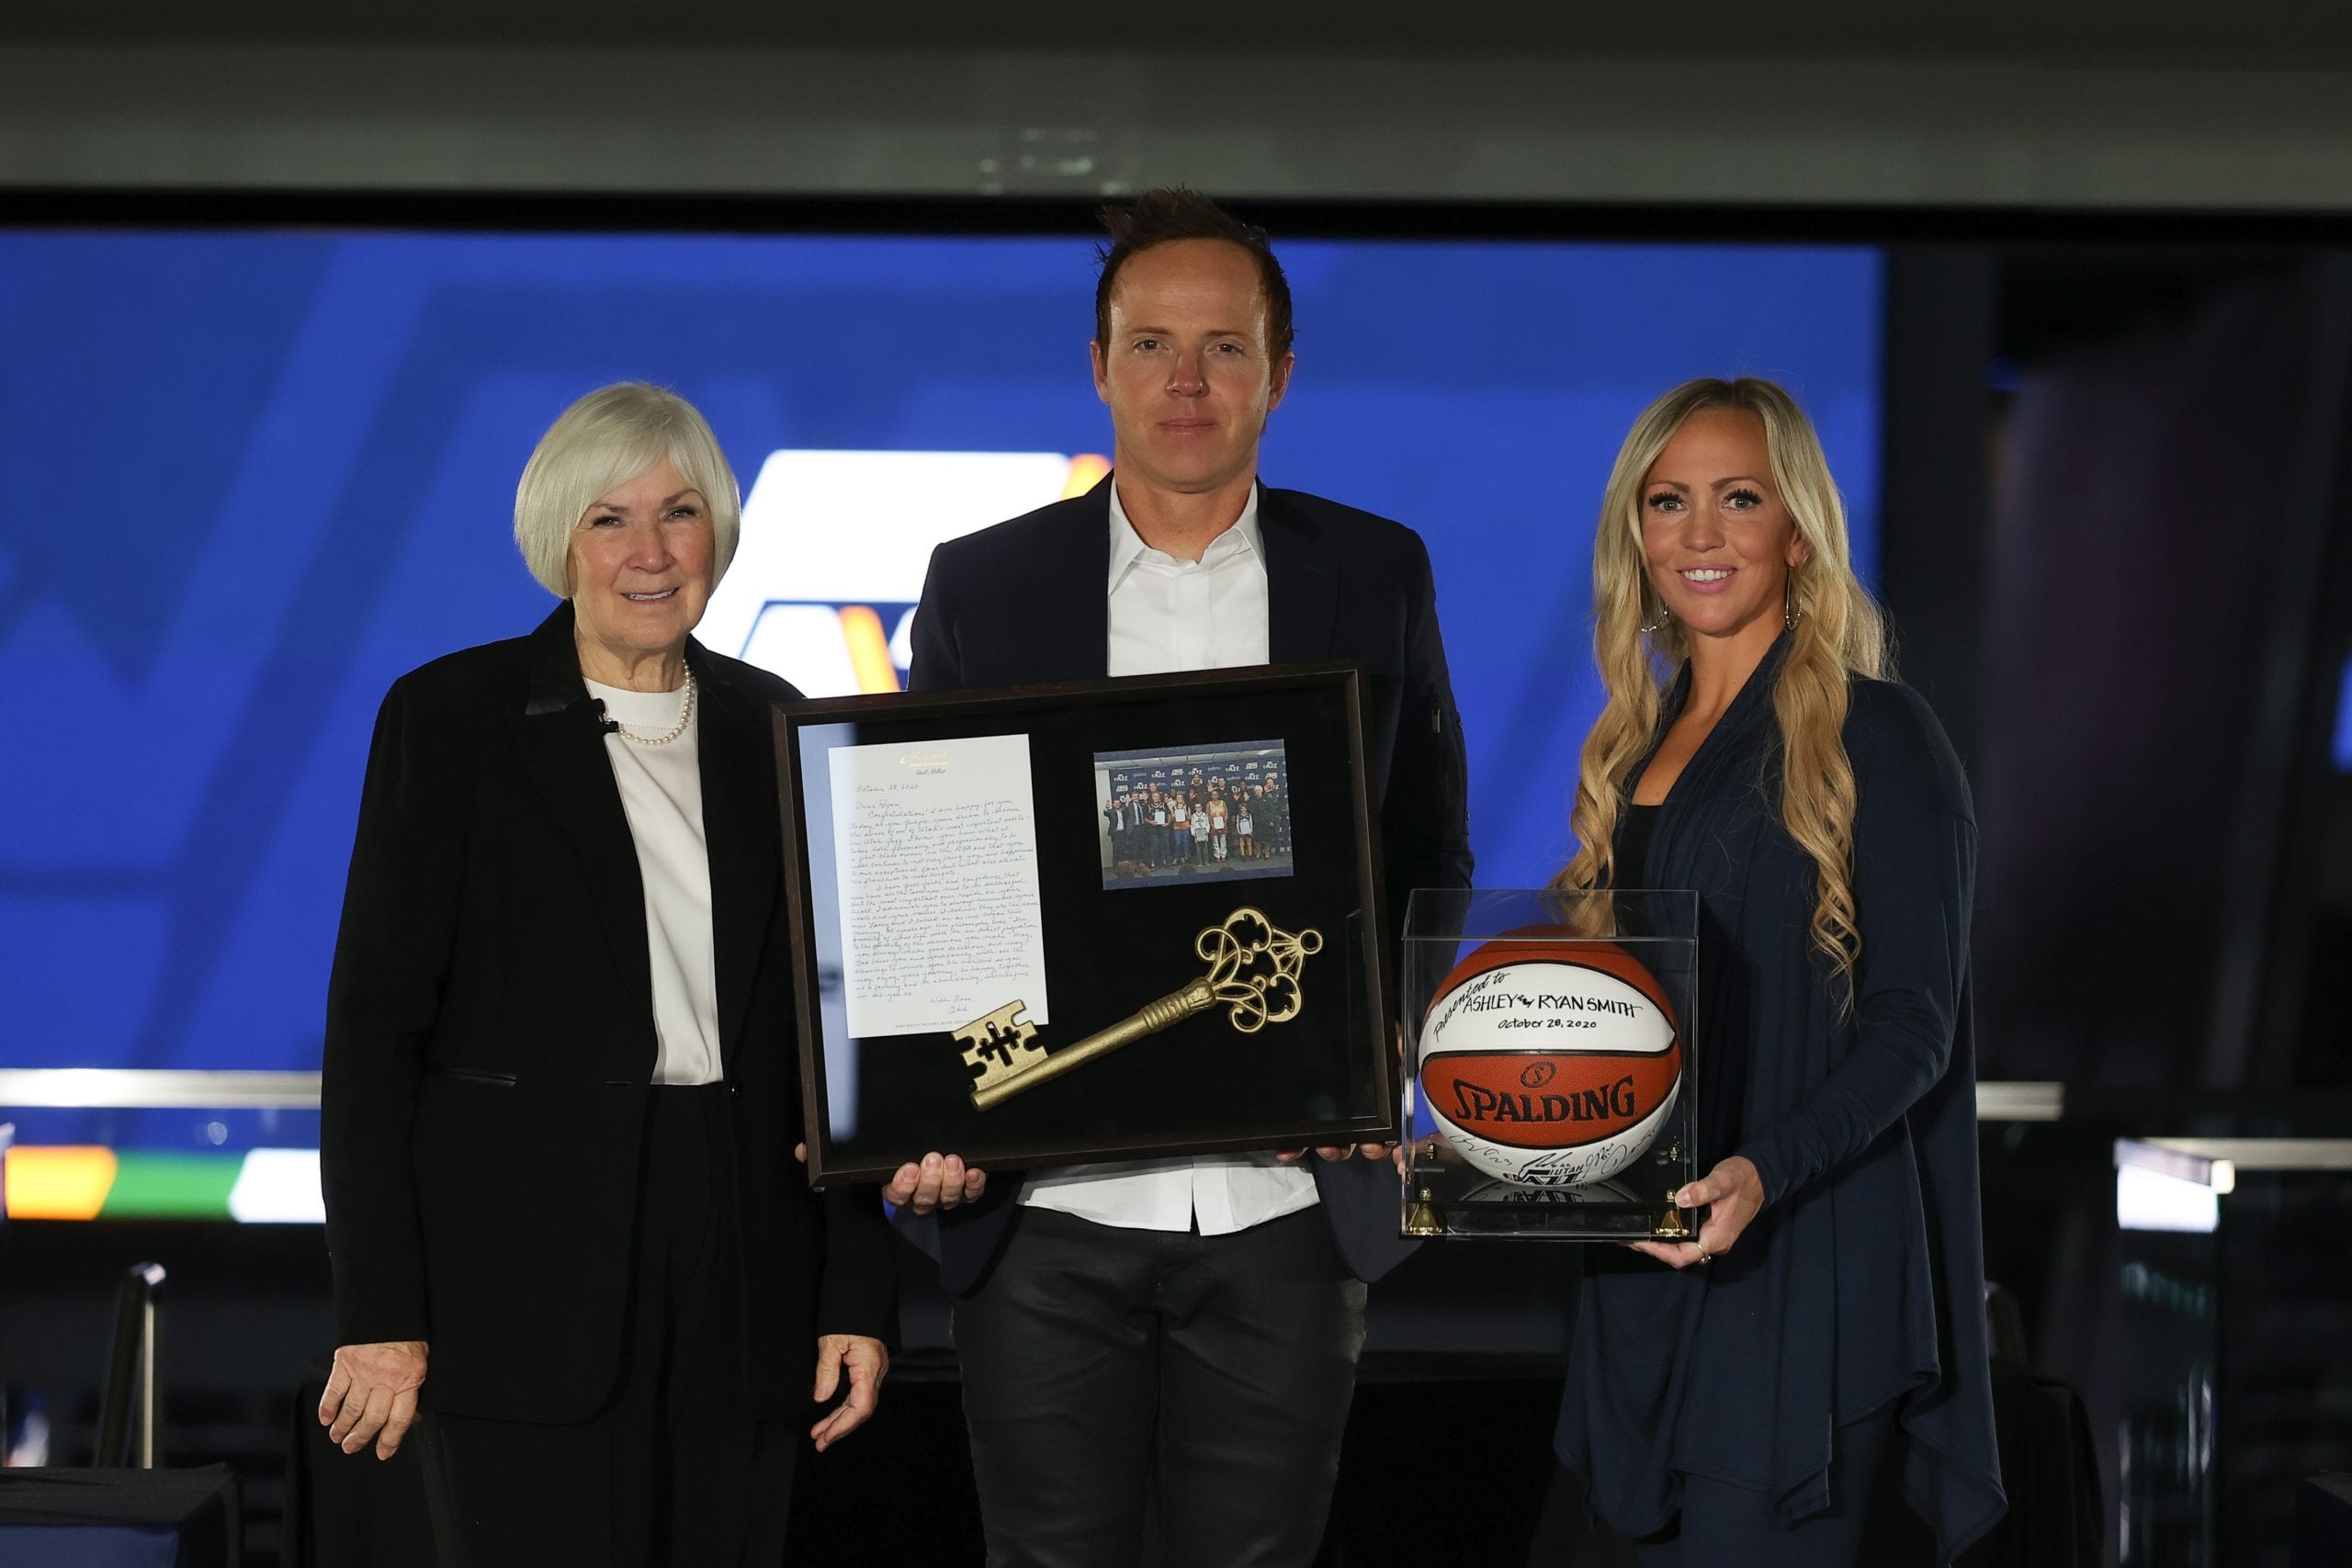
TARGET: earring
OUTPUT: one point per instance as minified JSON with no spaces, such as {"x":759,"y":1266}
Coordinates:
{"x":1658,"y":618}
{"x":1789,"y":609}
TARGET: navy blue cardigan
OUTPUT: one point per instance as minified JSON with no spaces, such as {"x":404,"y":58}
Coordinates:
{"x":1861,"y":1281}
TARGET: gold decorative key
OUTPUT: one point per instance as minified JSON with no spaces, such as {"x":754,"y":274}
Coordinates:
{"x":1253,"y":970}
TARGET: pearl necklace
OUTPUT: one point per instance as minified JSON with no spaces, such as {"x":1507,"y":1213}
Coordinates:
{"x":684,"y":719}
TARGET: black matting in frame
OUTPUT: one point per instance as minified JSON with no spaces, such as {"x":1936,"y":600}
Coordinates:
{"x":1327,"y":1076}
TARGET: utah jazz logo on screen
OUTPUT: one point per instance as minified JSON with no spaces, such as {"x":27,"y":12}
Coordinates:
{"x":823,"y":587}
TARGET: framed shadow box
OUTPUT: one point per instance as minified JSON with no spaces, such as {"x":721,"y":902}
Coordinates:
{"x":1100,"y":920}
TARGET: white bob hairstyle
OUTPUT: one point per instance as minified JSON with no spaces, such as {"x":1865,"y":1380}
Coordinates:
{"x":607,"y":438}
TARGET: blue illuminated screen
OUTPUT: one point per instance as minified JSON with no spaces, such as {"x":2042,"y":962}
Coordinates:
{"x":2341,"y":749}
{"x":253,"y":477}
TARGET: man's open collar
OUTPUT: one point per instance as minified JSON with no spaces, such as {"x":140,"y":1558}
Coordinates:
{"x":1126,"y":545}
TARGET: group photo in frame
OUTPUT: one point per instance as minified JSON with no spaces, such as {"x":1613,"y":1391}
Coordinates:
{"x":1206,"y":811}
{"x":978,"y":971}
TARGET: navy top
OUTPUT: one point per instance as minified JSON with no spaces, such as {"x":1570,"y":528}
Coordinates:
{"x":1633,"y":835}
{"x":1861,"y":1281}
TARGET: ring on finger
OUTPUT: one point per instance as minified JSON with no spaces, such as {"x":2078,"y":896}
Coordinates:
{"x":1705,"y":1256}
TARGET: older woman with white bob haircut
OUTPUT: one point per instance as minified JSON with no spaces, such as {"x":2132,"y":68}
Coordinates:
{"x":563,"y":1204}
{"x":1804,"y":1383}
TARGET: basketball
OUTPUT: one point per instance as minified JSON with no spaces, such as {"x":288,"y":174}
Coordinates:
{"x":1549,"y":1064}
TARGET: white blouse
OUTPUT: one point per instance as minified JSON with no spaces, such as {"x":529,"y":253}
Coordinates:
{"x":662,"y":794}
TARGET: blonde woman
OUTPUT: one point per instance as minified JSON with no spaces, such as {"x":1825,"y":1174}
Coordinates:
{"x":1807,"y":1381}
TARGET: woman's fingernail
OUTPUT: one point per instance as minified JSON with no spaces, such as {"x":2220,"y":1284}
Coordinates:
{"x":931,"y":1162}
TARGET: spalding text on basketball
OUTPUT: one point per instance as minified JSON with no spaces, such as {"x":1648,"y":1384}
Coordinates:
{"x":1475,"y":1102}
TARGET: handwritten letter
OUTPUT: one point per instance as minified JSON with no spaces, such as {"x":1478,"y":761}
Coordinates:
{"x":937,"y":846}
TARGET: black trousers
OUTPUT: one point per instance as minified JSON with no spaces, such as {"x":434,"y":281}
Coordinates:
{"x":673,"y":1469}
{"x":1204,"y":1381}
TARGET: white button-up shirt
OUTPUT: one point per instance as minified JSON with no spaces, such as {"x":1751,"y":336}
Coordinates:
{"x":1170,"y":614}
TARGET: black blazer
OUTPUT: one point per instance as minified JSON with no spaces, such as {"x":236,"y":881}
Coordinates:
{"x":1026,"y":601}
{"x":489,"y":1042}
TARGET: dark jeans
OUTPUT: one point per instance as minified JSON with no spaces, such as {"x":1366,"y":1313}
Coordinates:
{"x":674,"y":1470}
{"x":1207,"y":1378}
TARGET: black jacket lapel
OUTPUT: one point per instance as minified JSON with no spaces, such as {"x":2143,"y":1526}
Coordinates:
{"x":740,"y":834}
{"x":1302,"y":582}
{"x":1072,"y":579}
{"x":560,"y":740}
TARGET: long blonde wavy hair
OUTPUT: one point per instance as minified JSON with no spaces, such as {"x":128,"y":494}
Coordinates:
{"x":1839,"y":633}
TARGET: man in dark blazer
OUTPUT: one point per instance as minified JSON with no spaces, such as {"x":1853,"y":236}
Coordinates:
{"x":1185,"y":1330}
